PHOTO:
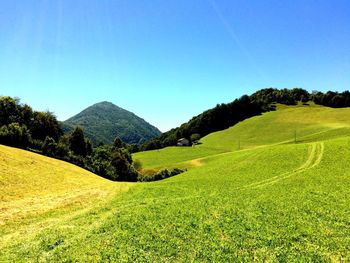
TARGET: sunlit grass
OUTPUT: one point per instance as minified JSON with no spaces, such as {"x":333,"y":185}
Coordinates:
{"x":282,"y":126}
{"x":272,"y":200}
{"x":35,"y":187}
{"x":303,"y":123}
{"x":174,"y":157}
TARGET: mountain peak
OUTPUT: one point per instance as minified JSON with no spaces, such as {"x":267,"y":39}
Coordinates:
{"x":103,"y":121}
{"x":104,"y":103}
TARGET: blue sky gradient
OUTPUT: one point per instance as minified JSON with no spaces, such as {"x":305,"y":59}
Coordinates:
{"x":169,"y":60}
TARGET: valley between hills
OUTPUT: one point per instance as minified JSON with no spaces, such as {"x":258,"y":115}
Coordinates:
{"x":274,"y":187}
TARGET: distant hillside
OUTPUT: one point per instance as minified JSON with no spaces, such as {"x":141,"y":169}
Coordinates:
{"x":224,"y":116}
{"x":301,"y":123}
{"x":103,"y":121}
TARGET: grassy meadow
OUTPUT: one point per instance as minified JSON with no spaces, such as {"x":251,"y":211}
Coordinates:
{"x":313,"y":121}
{"x":308,"y":123}
{"x":265,"y":198}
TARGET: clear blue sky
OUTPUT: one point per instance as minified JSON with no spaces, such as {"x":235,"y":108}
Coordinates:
{"x":168,"y":60}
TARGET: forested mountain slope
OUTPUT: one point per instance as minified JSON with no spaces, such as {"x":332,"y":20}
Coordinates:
{"x":104,"y":121}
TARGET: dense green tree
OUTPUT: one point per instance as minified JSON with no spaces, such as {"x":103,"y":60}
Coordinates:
{"x":331,"y":98}
{"x":77,"y":142}
{"x":122,"y":165}
{"x":64,"y":139}
{"x":62,"y":151}
{"x":100,"y":162}
{"x":133,"y":148}
{"x":111,"y":163}
{"x":137,"y":165}
{"x":15,"y":135}
{"x":9,"y":112}
{"x":26,"y":115}
{"x":118,"y":143}
{"x":195,"y":137}
{"x":299,"y":94}
{"x":88,"y":146}
{"x":45,"y":124}
{"x":151,"y":145}
{"x":49,"y":147}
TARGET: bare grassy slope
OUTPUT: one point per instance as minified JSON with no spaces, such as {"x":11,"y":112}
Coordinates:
{"x":33,"y":184}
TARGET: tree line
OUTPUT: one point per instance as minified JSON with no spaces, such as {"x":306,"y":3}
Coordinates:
{"x":292,"y":96}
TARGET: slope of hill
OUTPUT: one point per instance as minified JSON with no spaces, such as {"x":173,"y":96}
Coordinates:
{"x":103,"y":121}
{"x":306,"y":123}
{"x":34,"y":186}
{"x":270,"y":200}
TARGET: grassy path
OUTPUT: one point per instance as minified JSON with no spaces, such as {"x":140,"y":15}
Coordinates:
{"x":203,"y":215}
{"x":314,"y":158}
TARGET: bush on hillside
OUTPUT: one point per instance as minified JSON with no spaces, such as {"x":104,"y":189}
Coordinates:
{"x":160,"y":175}
{"x":137,"y":165}
{"x":195,"y":137}
{"x":15,"y":135}
{"x":49,"y":147}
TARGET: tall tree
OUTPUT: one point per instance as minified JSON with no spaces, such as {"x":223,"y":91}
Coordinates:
{"x":8,"y":110}
{"x":45,"y":124}
{"x":118,"y":143}
{"x":77,"y":142}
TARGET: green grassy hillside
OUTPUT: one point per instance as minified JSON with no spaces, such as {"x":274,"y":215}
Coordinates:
{"x":33,"y":187}
{"x":309,"y":123}
{"x":270,"y":201}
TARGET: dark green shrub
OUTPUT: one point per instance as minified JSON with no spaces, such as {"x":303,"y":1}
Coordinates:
{"x":15,"y":135}
{"x":49,"y":147}
{"x":160,"y":175}
{"x":77,"y":142}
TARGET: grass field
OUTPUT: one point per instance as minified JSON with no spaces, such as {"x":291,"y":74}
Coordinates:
{"x":269,"y":201}
{"x":308,"y":123}
{"x":36,"y":190}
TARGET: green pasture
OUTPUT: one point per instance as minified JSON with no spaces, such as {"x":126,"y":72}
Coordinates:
{"x":282,"y":126}
{"x":286,"y":125}
{"x":272,"y":200}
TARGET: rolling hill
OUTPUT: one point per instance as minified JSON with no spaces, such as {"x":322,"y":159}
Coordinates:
{"x":43,"y":184}
{"x":35,"y":188}
{"x":264,"y":199}
{"x":103,"y":121}
{"x":308,"y":123}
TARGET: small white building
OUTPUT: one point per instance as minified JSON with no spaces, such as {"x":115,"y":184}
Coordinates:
{"x":183,"y":142}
